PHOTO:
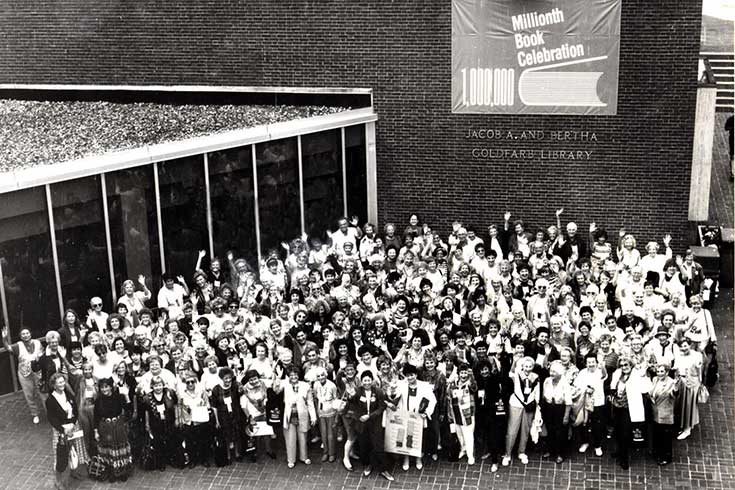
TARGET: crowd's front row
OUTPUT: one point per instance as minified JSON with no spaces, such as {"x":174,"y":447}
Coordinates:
{"x":151,"y":411}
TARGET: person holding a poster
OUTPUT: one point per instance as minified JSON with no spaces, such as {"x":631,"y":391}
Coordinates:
{"x":461,"y":410}
{"x":415,"y":396}
{"x":366,"y":407}
{"x":254,"y":402}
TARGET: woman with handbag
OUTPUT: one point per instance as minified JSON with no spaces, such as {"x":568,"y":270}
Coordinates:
{"x":590,"y":383}
{"x":522,"y":404}
{"x":67,"y":434}
{"x":194,"y":420}
{"x":626,"y":395}
{"x":688,"y":367}
{"x":701,"y":331}
{"x":299,"y":415}
{"x":111,"y":431}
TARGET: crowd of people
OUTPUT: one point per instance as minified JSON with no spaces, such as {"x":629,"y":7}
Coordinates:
{"x":569,"y":341}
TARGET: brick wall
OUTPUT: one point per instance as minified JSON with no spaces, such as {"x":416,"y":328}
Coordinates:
{"x":638,"y":175}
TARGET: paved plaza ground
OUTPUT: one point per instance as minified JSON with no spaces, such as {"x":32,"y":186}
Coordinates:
{"x":705,"y":460}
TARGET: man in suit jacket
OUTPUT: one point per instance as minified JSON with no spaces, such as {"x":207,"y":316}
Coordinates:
{"x":415,"y":396}
{"x":366,"y":407}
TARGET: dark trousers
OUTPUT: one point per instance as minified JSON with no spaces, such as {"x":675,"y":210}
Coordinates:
{"x":663,"y":435}
{"x":556,"y":438}
{"x":431,"y":434}
{"x":491,"y":435}
{"x":623,"y":433}
{"x":594,"y":431}
{"x":198,"y":442}
{"x":371,"y":447}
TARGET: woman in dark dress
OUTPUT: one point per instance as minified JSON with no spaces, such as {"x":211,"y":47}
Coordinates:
{"x":160,"y":421}
{"x":366,"y":408}
{"x":491,"y":410}
{"x":111,"y":431}
{"x":225,"y":403}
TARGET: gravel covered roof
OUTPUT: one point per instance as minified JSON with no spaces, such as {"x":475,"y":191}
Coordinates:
{"x":41,"y":133}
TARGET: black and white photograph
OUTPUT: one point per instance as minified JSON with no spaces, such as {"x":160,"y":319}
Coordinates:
{"x":367,"y":244}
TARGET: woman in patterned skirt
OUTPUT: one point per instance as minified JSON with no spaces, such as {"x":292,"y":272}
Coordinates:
{"x":111,"y":431}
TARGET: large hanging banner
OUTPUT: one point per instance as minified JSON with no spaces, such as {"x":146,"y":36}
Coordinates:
{"x":535,"y":56}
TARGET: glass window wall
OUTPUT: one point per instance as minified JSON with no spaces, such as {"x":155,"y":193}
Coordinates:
{"x":131,"y":203}
{"x":232,"y":196}
{"x":183,"y":212}
{"x":323,"y":187}
{"x":356,"y":169}
{"x":279,"y":204}
{"x":80,"y":243}
{"x":27,"y":262}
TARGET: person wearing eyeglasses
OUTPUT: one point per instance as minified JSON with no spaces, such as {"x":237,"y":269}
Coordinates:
{"x":194,"y":419}
{"x":96,"y":318}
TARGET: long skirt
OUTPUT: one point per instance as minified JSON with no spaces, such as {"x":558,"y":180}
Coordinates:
{"x":78,"y":444}
{"x":113,"y":446}
{"x":688,"y":407}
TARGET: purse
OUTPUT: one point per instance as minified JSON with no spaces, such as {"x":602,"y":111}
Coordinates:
{"x":148,"y":455}
{"x":713,"y":374}
{"x":62,"y":454}
{"x":73,"y":458}
{"x":702,"y":394}
{"x":97,"y":469}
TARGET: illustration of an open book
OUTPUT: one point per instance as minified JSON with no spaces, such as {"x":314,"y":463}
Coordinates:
{"x":540,"y":87}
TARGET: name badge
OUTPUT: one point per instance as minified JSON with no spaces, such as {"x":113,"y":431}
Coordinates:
{"x":161,"y":411}
{"x":363,"y":399}
{"x":481,"y":394}
{"x":228,"y":402}
{"x":124,"y":390}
